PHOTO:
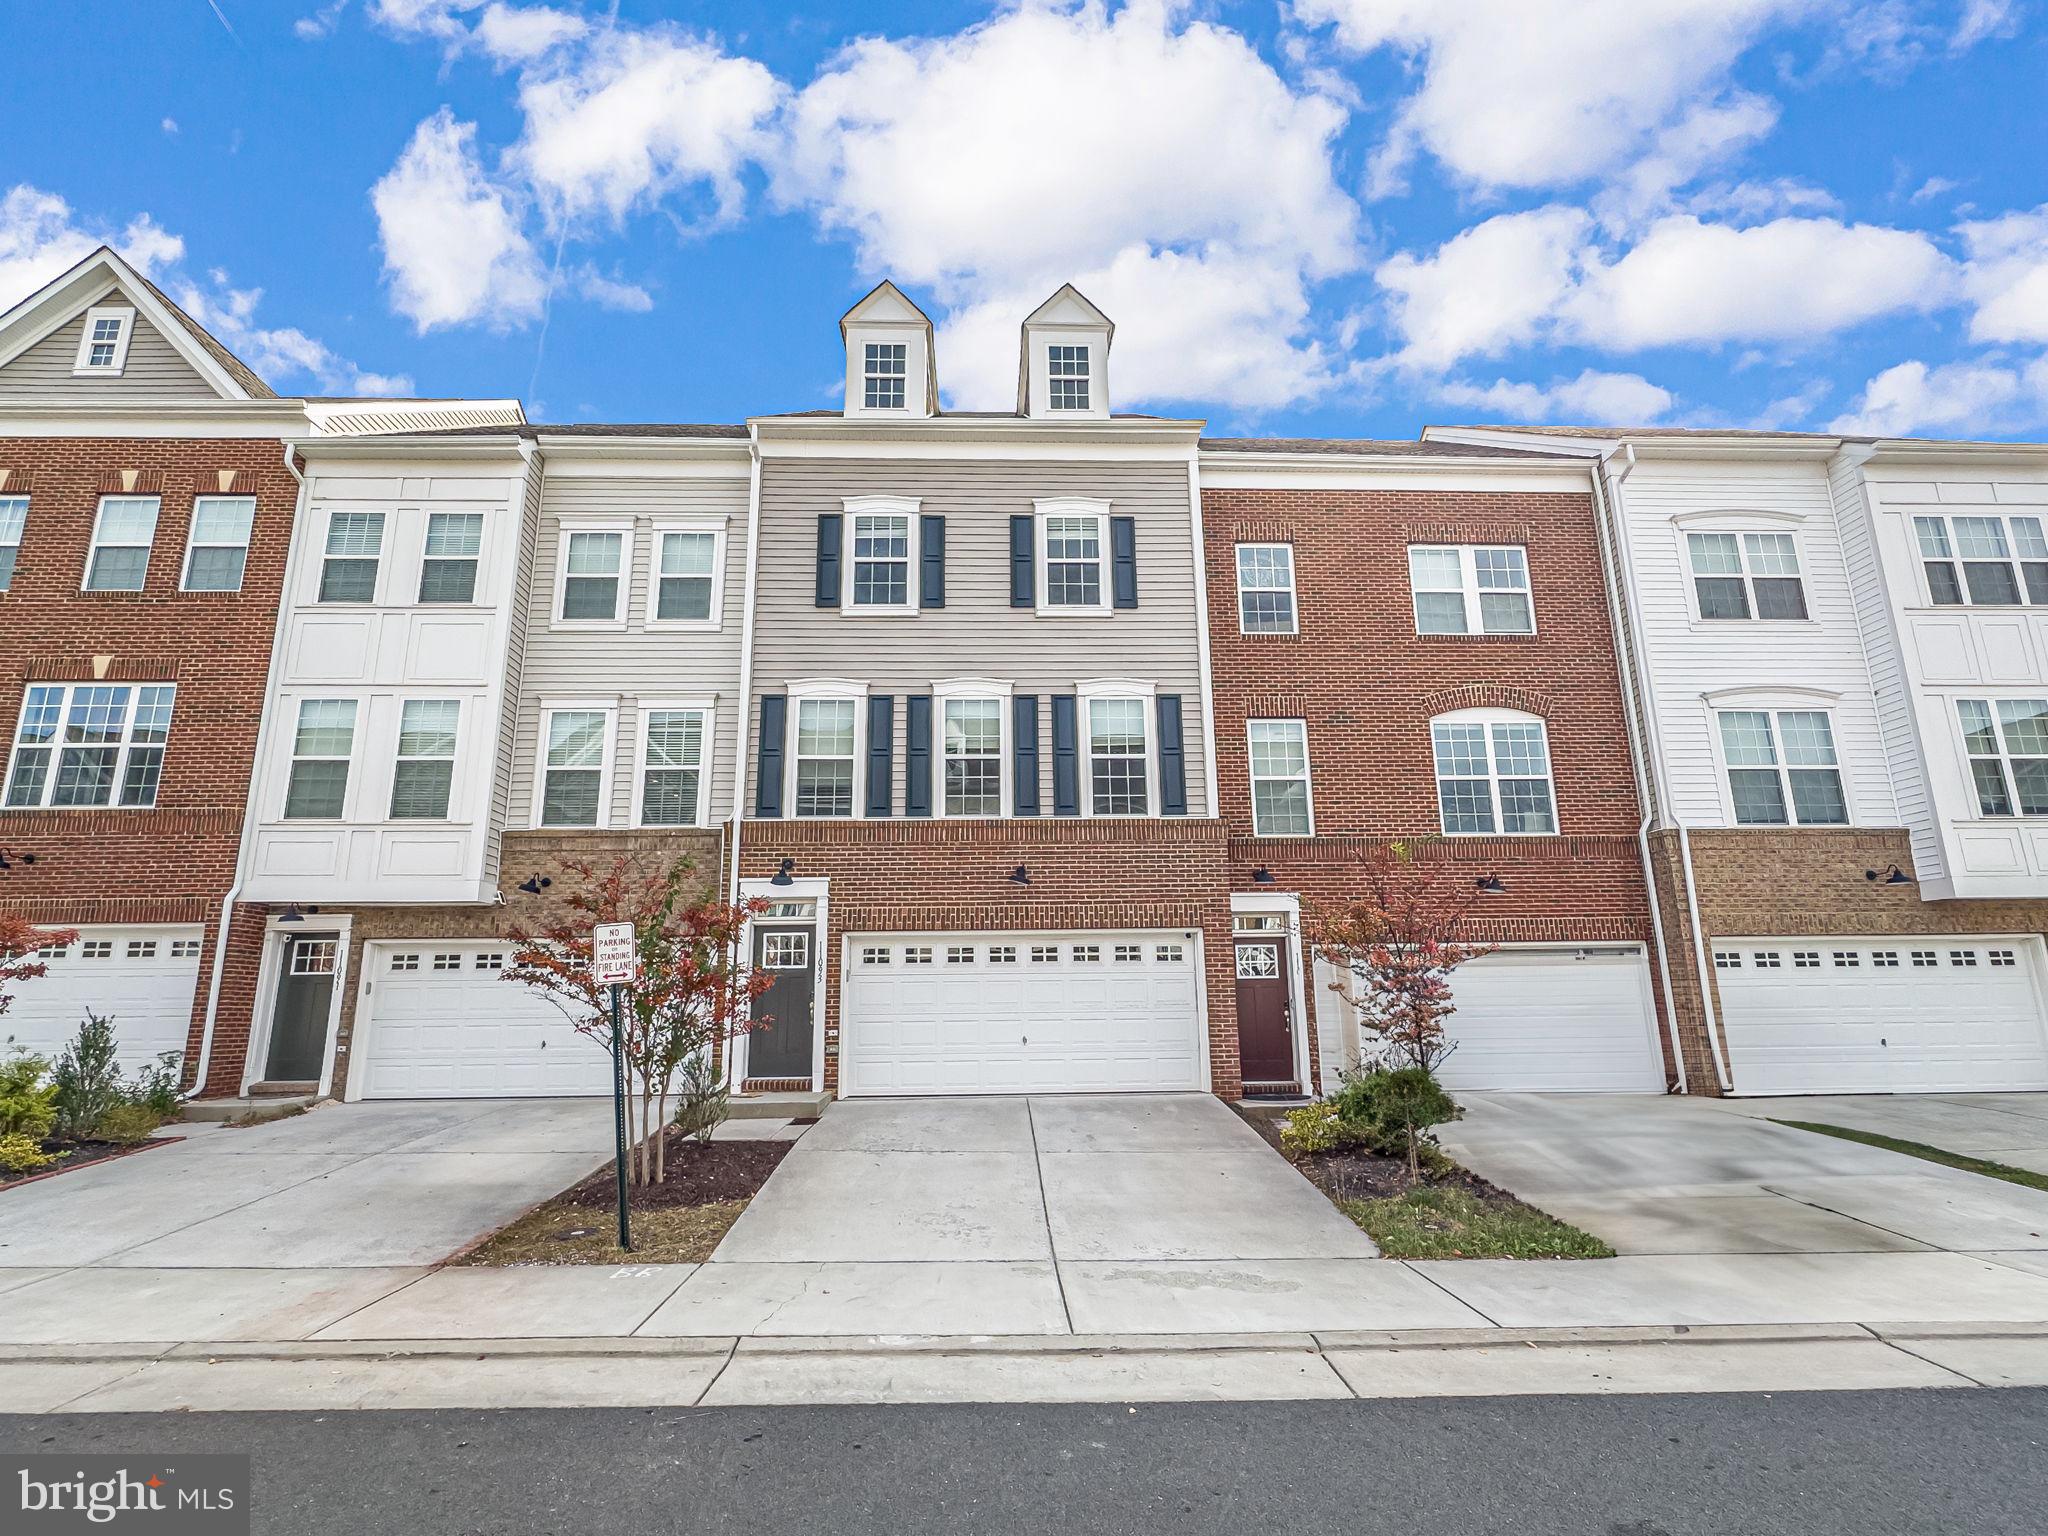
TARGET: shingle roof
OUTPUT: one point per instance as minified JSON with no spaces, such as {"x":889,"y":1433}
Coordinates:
{"x":1368,"y":447}
{"x":240,"y":371}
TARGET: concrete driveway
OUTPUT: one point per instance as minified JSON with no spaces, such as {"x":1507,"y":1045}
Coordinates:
{"x":2009,"y":1128}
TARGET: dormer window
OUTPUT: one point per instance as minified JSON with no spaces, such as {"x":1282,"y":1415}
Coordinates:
{"x":1067,"y":378}
{"x":103,"y":346}
{"x":886,"y":372}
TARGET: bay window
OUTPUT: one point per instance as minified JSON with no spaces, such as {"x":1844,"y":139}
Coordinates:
{"x":2006,"y":741}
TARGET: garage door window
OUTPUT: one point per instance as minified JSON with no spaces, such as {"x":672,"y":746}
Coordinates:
{"x":90,"y":745}
{"x":426,"y":760}
{"x":1781,"y":768}
{"x":1493,"y":773}
{"x":672,"y":778}
{"x":320,"y":756}
{"x":2007,"y":742}
{"x":572,"y":780}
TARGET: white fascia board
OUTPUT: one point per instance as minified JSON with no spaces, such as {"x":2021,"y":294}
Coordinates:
{"x":1340,"y":472}
{"x":42,"y":313}
{"x":280,"y":419}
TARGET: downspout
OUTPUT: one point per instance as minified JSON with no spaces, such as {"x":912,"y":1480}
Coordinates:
{"x":746,"y":709}
{"x":263,"y":723}
{"x":1653,"y":723}
{"x":1209,"y":775}
{"x":1624,"y":648}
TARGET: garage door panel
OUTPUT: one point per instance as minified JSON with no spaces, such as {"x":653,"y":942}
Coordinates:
{"x":1560,"y":1021}
{"x":143,"y":978}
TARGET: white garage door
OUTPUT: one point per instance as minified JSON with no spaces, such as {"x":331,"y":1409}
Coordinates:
{"x":142,"y":978}
{"x":1889,"y":1016}
{"x":1557,"y":1021}
{"x":445,"y":1024}
{"x":1020,"y":1013}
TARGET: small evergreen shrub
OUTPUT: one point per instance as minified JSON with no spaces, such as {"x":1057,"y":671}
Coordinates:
{"x":28,"y":1105}
{"x":126,"y":1124}
{"x":22,"y":1154}
{"x":1313,"y":1128}
{"x":87,"y":1079}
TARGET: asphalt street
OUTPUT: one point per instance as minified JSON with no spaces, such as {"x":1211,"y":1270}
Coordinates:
{"x":1811,"y":1463}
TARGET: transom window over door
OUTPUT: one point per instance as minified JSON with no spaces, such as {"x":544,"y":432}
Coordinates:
{"x":2007,"y":743}
{"x":824,"y":757}
{"x":686,"y":582}
{"x":881,"y":560}
{"x":348,"y":570}
{"x":1781,"y":768}
{"x":1746,"y":575}
{"x":121,"y":536}
{"x":1265,"y":589}
{"x":90,"y":744}
{"x":1470,"y":589}
{"x":885,"y":368}
{"x":219,"y":546}
{"x":425,"y":771}
{"x":973,"y":757}
{"x":593,"y":567}
{"x":672,"y":780}
{"x":1493,"y":774}
{"x":1072,"y":546}
{"x":321,"y":748}
{"x":455,"y":541}
{"x":1117,"y":769}
{"x":572,"y":768}
{"x":1279,"y":773}
{"x":1987,"y":561}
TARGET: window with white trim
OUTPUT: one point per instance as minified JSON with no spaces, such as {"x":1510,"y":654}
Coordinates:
{"x":1279,"y":774}
{"x":1118,"y":746}
{"x":1066,"y":369}
{"x":823,"y":764}
{"x":1493,"y":773}
{"x":1983,"y":561}
{"x":454,"y":545}
{"x":348,"y":565}
{"x":13,"y":520}
{"x":2007,"y":744}
{"x":971,"y":755}
{"x":322,"y":745}
{"x":885,"y":371}
{"x":572,"y":767}
{"x":425,"y":770}
{"x":593,"y":575}
{"x":1782,"y":769}
{"x":673,"y":745}
{"x":103,"y":343}
{"x":881,"y":562}
{"x":1470,"y":589}
{"x":686,"y":576}
{"x":1070,"y":558}
{"x":90,"y":744}
{"x":121,"y":537}
{"x":1746,"y":575}
{"x":218,"y":549}
{"x":1265,"y":589}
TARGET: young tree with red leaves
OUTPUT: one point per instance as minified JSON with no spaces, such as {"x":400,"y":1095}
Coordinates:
{"x":1395,"y":946}
{"x":20,"y":942}
{"x":693,"y":995}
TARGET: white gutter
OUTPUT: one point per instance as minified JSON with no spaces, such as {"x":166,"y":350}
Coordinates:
{"x":746,"y":709}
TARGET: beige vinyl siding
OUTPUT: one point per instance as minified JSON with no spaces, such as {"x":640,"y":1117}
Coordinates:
{"x":978,"y":633}
{"x":153,"y":369}
{"x":623,"y":667}
{"x":502,"y":775}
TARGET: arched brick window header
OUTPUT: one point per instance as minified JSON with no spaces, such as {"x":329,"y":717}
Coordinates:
{"x":1488,"y":696}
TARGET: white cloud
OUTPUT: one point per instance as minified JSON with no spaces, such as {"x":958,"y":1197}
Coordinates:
{"x":453,"y":246}
{"x":1491,"y":287}
{"x":1931,"y":188}
{"x":611,"y":292}
{"x":2007,"y":276}
{"x":1593,"y":398}
{"x":41,"y":238}
{"x":512,"y":34}
{"x":275,"y":353}
{"x":169,"y":125}
{"x":1983,"y":20}
{"x":321,"y":24}
{"x":1963,"y":399}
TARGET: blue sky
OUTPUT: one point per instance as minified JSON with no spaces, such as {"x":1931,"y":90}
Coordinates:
{"x":1344,"y":217}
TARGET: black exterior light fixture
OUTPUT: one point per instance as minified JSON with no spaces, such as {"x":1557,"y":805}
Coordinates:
{"x":1492,"y":885}
{"x":1262,"y":876}
{"x":291,"y":914}
{"x":1891,"y":876}
{"x":781,"y":875}
{"x":7,"y":864}
{"x":1020,"y":876}
{"x":533,"y":885}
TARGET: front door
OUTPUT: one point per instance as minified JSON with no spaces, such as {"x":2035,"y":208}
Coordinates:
{"x":305,"y":994}
{"x":781,"y":1046}
{"x":1265,"y":1033}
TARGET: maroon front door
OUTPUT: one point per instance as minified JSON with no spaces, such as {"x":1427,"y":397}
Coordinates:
{"x":1265,"y":1037}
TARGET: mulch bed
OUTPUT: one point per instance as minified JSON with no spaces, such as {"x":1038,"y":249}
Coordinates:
{"x":1350,"y":1173}
{"x":699,"y":1173}
{"x":79,"y":1154}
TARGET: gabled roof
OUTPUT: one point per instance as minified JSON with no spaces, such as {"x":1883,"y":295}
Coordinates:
{"x":1070,"y":306}
{"x":62,"y":299}
{"x":885,"y":304}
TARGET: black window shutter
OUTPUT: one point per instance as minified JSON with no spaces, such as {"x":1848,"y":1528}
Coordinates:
{"x":768,"y":764}
{"x":831,"y":528}
{"x":1173,"y":760}
{"x":881,"y":752}
{"x":1024,"y":754}
{"x":931,"y":586}
{"x":1023,"y":562}
{"x":1123,"y":561}
{"x":917,"y":755}
{"x":1066,"y":757}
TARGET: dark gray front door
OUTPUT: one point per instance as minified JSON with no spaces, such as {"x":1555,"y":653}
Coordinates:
{"x":782,"y":1046}
{"x":305,"y":991}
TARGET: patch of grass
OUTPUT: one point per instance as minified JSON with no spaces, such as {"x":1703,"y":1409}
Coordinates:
{"x":1925,"y":1153}
{"x":1444,"y":1222}
{"x":561,"y":1233}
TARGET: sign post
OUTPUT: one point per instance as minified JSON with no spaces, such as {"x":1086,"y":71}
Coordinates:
{"x":614,"y":961}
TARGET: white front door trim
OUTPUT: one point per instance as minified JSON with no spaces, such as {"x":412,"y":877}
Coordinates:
{"x":819,"y":891}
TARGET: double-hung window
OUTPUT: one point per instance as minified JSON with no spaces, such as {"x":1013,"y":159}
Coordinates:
{"x":103,"y":344}
{"x":455,"y":542}
{"x":13,"y":519}
{"x":89,"y":744}
{"x":218,"y":550}
{"x":1070,"y":561}
{"x":1983,"y":560}
{"x":1119,"y":777}
{"x":321,"y":748}
{"x":2007,"y":743}
{"x":1746,"y":575}
{"x":573,"y":778}
{"x":971,"y":753}
{"x":1279,"y":773}
{"x":686,"y":576}
{"x":593,"y":575}
{"x":1066,"y":369}
{"x":121,"y":537}
{"x":426,"y":759}
{"x":1470,"y":589}
{"x":1265,"y":589}
{"x":826,"y":748}
{"x":674,"y":751}
{"x":1493,"y":773}
{"x":881,"y":562}
{"x":885,"y":372}
{"x":355,"y":546}
{"x":1782,"y":769}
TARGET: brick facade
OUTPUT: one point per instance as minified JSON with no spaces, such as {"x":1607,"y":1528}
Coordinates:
{"x":176,"y":862}
{"x":1367,"y":686}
